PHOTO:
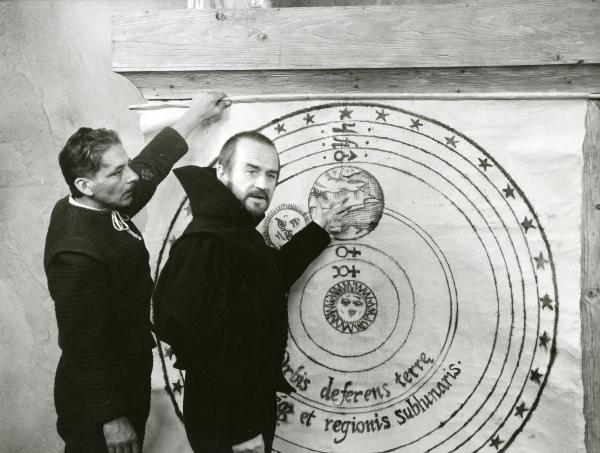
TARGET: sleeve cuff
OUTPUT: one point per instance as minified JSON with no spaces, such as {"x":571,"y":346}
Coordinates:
{"x":107,"y":415}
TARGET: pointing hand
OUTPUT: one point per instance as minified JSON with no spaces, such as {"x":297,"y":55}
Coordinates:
{"x":329,"y":219}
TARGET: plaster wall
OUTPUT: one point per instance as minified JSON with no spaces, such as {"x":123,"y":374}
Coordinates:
{"x":55,"y":76}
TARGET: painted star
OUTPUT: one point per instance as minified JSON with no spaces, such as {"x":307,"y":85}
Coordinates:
{"x":177,"y":386}
{"x":544,"y":339}
{"x":346,"y":113}
{"x":309,"y":119}
{"x":509,"y":191}
{"x":381,"y":116}
{"x":546,"y":302}
{"x":536,"y":376}
{"x":280,"y":128}
{"x":521,"y":409}
{"x":495,"y":442}
{"x":527,"y":224}
{"x":451,"y":141}
{"x":169,"y":352}
{"x":188,"y":209}
{"x":540,"y":261}
{"x":416,"y":124}
{"x":483,"y":163}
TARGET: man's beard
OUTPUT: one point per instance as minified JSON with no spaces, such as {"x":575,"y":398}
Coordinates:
{"x":256,"y":193}
{"x":260,"y":193}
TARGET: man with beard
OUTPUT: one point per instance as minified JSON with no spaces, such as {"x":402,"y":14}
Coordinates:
{"x":221,"y":299}
{"x":99,"y":278}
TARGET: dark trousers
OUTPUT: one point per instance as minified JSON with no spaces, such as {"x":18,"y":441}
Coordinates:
{"x":215,"y":418}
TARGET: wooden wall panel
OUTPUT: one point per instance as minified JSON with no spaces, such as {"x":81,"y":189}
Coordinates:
{"x":182,"y":85}
{"x":590,"y":300}
{"x":415,"y":35}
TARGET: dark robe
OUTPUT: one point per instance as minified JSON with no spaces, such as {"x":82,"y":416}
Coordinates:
{"x":221,"y":302}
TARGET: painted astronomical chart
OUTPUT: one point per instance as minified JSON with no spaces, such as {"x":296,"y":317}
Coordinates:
{"x":429,"y":323}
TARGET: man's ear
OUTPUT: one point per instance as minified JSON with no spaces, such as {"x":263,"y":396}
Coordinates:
{"x":85,"y":186}
{"x":220,"y":172}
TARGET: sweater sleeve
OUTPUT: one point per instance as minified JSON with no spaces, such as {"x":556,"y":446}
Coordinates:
{"x":297,"y":254}
{"x":78,"y":287}
{"x":153,"y":164}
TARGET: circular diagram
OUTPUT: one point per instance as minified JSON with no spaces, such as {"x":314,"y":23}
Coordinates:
{"x":429,"y":323}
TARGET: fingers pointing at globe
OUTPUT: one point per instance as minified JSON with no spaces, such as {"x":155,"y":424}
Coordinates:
{"x":331,"y":218}
{"x":337,"y":214}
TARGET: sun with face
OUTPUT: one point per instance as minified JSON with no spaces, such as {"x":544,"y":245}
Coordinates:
{"x":350,"y":306}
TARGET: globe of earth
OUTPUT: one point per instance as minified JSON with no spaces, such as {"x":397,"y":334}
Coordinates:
{"x":355,"y":188}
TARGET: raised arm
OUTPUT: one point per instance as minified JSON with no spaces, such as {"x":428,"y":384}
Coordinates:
{"x":156,"y":160}
{"x":205,"y":107}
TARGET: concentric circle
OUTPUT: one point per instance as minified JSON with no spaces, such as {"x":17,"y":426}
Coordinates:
{"x":429,"y":324}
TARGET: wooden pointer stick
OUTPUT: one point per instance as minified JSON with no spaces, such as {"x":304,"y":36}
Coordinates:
{"x":184,"y":103}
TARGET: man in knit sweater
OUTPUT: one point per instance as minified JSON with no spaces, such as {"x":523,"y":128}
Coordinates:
{"x":99,"y":278}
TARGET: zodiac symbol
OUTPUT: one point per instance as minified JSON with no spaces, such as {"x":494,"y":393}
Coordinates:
{"x":344,"y":271}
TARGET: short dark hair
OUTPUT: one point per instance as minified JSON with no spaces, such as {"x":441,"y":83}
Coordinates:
{"x":82,"y":154}
{"x":228,"y":150}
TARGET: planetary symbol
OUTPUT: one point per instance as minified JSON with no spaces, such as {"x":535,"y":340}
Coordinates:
{"x":345,"y":270}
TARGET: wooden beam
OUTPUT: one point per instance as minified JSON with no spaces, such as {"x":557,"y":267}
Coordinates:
{"x":590,"y":300}
{"x":182,"y":85}
{"x":540,"y":32}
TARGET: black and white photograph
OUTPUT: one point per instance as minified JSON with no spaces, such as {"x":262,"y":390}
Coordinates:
{"x":292,"y":226}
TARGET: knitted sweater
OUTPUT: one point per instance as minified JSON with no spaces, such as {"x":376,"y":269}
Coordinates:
{"x":99,"y":279}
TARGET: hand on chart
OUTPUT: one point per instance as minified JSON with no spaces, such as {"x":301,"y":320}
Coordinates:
{"x":206,"y":107}
{"x":329,"y":219}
